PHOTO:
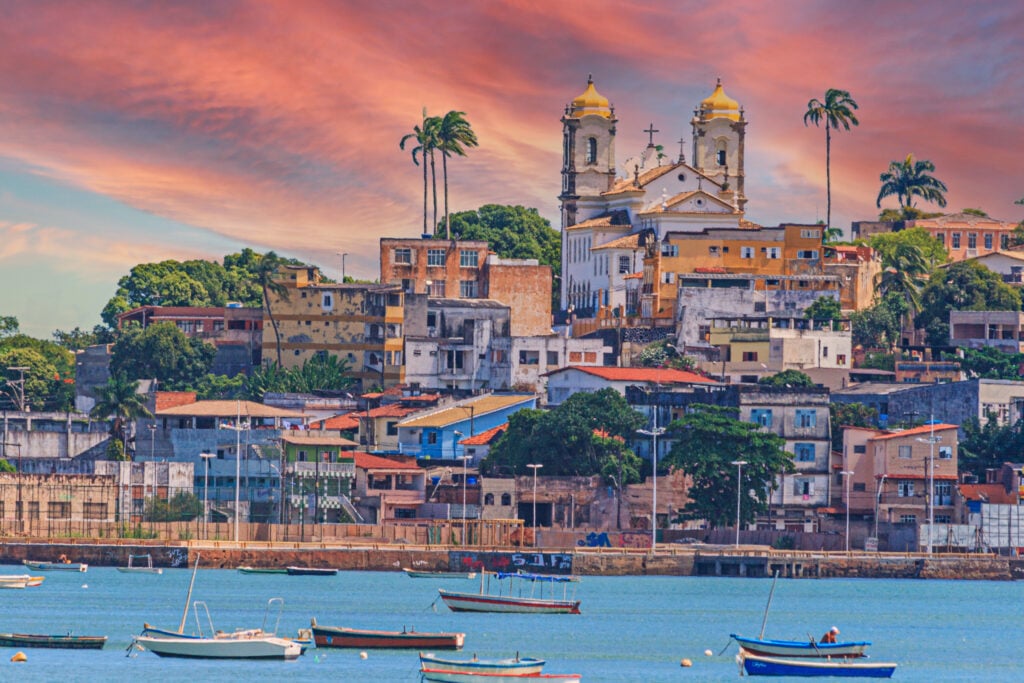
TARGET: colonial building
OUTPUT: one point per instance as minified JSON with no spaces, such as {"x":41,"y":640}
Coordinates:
{"x":964,"y":235}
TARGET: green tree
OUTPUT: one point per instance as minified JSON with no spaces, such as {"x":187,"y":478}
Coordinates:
{"x":661,"y":354}
{"x":454,"y":135}
{"x":706,"y":442}
{"x":988,"y":447}
{"x":836,"y":110}
{"x":220,"y":387}
{"x":878,"y":326}
{"x":181,"y":507}
{"x":9,"y":326}
{"x":78,"y":339}
{"x":119,"y":398}
{"x":892,"y":247}
{"x":319,"y":373}
{"x":849,"y":415}
{"x":962,"y":286}
{"x":911,"y":178}
{"x":988,"y":362}
{"x":905,"y":265}
{"x":421,"y":135}
{"x":824,"y":309}
{"x":267,"y":272}
{"x":48,"y":377}
{"x":787,"y":379}
{"x":162,"y":352}
{"x":7,"y":467}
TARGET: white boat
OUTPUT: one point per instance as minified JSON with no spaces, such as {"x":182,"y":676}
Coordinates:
{"x":420,"y":574}
{"x":509,"y":665}
{"x":435,"y":676}
{"x":56,"y":566}
{"x":15,"y":580}
{"x":509,"y":595}
{"x":146,"y":568}
{"x":17,"y":583}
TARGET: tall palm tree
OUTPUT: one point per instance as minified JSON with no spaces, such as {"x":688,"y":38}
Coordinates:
{"x":911,"y":178}
{"x":904,"y":271}
{"x":266,"y":277}
{"x":454,"y":135}
{"x":836,"y":110}
{"x":119,"y":398}
{"x":422,"y":136}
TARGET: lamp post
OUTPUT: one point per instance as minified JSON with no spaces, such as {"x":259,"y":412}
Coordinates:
{"x":739,"y":488}
{"x":654,"y":433}
{"x":455,"y":448}
{"x":152,"y":441}
{"x":930,"y":495}
{"x":848,"y":474}
{"x":878,"y":501}
{"x":237,"y":427}
{"x":342,"y":266}
{"x":206,"y":490}
{"x":534,"y":467}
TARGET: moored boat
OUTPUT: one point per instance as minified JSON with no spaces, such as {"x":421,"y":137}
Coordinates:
{"x":241,"y":645}
{"x":435,"y":676}
{"x":262,"y":570}
{"x":417,"y":574}
{"x":757,"y":665}
{"x":509,"y":665}
{"x":19,"y":580}
{"x":800,"y":648}
{"x":311,"y":571}
{"x":65,"y":641}
{"x":338,"y":636}
{"x":56,"y":566}
{"x":514,"y":599}
{"x":146,"y":568}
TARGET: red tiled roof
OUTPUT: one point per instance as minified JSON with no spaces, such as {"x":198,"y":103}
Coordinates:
{"x":173,"y":399}
{"x":657,"y":375}
{"x":484,"y":438}
{"x":926,"y":429}
{"x":989,"y":493}
{"x":365,"y":461}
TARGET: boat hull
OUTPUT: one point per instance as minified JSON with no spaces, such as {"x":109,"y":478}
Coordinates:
{"x":526,"y":665}
{"x":333,"y":636}
{"x":56,"y":566}
{"x":261,"y":647}
{"x":754,"y":665}
{"x":477,"y":677}
{"x":474,"y":602}
{"x":140,"y":570}
{"x":259,"y":570}
{"x":64,"y":642}
{"x":798,"y":648}
{"x":414,"y":574}
{"x":311,"y":571}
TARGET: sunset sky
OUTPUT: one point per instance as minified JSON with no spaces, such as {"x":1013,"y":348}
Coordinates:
{"x":133,"y":132}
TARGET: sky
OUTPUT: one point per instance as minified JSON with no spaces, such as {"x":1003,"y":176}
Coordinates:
{"x":135,"y":132}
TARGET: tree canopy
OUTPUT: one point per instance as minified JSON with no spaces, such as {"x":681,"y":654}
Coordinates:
{"x":849,"y":415}
{"x":706,"y":443}
{"x":48,"y":377}
{"x":824,"y":308}
{"x":661,"y":354}
{"x":911,"y":178}
{"x":990,"y":446}
{"x":962,"y":286}
{"x":511,"y":231}
{"x":988,"y":362}
{"x":162,"y":352}
{"x":878,"y":326}
{"x":787,"y":379}
{"x":890,"y":244}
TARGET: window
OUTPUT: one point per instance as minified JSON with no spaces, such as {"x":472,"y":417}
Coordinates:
{"x":807,"y":253}
{"x":941,"y":237}
{"x":1004,"y":241}
{"x":623,"y":265}
{"x":905,"y":488}
{"x":453,"y":360}
{"x":467,"y":289}
{"x":33,"y":509}
{"x":589,"y":356}
{"x":714,"y":251}
{"x":720,"y":157}
{"x":945,"y":452}
{"x":761,"y":416}
{"x":669,"y":249}
{"x":506,"y":499}
{"x":824,"y":352}
{"x":908,"y":519}
{"x":403,"y":255}
{"x":392,"y":429}
{"x":328,"y":302}
{"x":804,"y":452}
{"x":431,"y":318}
{"x":431,"y":438}
{"x":750,"y":356}
{"x":803,"y":487}
{"x":988,"y":240}
{"x":435,"y":257}
{"x":806,"y":418}
{"x":860,"y":487}
{"x":943,"y":519}
{"x":746,"y":252}
{"x":972,"y":240}
{"x":773,"y":252}
{"x":552,"y":357}
{"x":187,"y":326}
{"x":488,"y":499}
{"x":862,"y":448}
{"x":841,"y":359}
{"x":436,"y":289}
{"x":94,"y":510}
{"x":468,"y":259}
{"x":591,"y":150}
{"x":904,"y":452}
{"x":56,"y":509}
{"x":810,"y":234}
{"x":668,"y":278}
{"x":956,"y":240}
{"x":529,"y":358}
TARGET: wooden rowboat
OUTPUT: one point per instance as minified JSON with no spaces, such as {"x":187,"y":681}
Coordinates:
{"x":756,"y":665}
{"x":337,"y":636}
{"x":311,"y":571}
{"x":800,"y":648}
{"x":262,"y":570}
{"x":417,"y":574}
{"x":56,"y":566}
{"x":510,"y":665}
{"x":66,"y":641}
{"x":435,"y":676}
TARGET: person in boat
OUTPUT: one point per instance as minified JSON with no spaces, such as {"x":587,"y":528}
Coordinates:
{"x":830,"y":635}
{"x":63,"y":559}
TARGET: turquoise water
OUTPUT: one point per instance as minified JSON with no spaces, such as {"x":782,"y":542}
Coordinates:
{"x":631,"y":629}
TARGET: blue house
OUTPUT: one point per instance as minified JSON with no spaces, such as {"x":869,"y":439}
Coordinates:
{"x":435,"y":435}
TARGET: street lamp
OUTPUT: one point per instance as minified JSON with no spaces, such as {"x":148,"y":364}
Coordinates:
{"x":343,"y":266}
{"x":206,"y":490}
{"x":534,"y":467}
{"x":848,"y":474}
{"x":739,"y":487}
{"x":458,"y":435}
{"x":878,"y":501}
{"x":238,"y":427}
{"x":930,"y":497}
{"x":152,"y":440}
{"x":654,"y":433}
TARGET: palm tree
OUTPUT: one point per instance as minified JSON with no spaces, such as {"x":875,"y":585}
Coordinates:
{"x":904,"y":270}
{"x":836,"y":110}
{"x":119,"y":398}
{"x":911,"y":178}
{"x":454,"y":134}
{"x":421,"y":135}
{"x":266,"y":277}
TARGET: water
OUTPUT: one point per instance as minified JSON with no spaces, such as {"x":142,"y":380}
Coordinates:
{"x":631,"y":629}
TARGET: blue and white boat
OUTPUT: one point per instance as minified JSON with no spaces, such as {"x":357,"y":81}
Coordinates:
{"x":800,"y":648}
{"x":522,"y":666}
{"x":757,"y":665}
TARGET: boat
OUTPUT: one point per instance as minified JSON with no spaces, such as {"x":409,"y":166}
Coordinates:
{"x":339,"y":636}
{"x":14,"y":583}
{"x":65,"y":641}
{"x":436,"y":676}
{"x":514,"y":599}
{"x":417,"y":574}
{"x":510,"y":665}
{"x":304,"y":637}
{"x":800,"y":648}
{"x":19,"y":580}
{"x":263,"y":570}
{"x":311,"y":571}
{"x":844,"y":667}
{"x":146,"y":568}
{"x":55,"y":566}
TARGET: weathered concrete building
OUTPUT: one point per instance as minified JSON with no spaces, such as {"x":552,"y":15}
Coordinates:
{"x":1003,"y":330}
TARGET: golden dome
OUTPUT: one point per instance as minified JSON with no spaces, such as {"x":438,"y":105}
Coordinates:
{"x":591,"y":102}
{"x":720,"y":105}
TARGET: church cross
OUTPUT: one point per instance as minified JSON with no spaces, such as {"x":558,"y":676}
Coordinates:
{"x":682,"y":153}
{"x":650,"y":132}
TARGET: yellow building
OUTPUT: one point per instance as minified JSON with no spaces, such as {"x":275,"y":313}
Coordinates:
{"x":360,"y":323}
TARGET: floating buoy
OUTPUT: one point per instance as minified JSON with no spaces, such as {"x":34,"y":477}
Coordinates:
{"x":85,"y":585}
{"x":708,"y":653}
{"x":362,"y":655}
{"x":19,"y":657}
{"x":685,"y":663}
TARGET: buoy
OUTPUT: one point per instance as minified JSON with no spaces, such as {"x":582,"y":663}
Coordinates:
{"x":686,"y":663}
{"x":362,"y":655}
{"x":19,"y":657}
{"x":85,"y":585}
{"x":708,"y":653}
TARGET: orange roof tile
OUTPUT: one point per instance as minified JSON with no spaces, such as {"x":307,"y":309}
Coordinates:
{"x":365,"y":461}
{"x":172,"y":399}
{"x":486,"y":437}
{"x":339,"y":422}
{"x":989,"y":493}
{"x":926,"y":429}
{"x":656,"y":375}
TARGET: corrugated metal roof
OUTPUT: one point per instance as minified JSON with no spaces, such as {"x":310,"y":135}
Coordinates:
{"x":307,"y":439}
{"x":462,"y":412}
{"x":228,"y":409}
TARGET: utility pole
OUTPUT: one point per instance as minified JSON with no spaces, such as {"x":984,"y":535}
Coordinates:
{"x":18,"y":386}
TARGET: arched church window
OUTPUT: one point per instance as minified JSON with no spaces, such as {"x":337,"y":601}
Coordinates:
{"x":720,"y":157}
{"x":489,"y":499}
{"x":591,"y":150}
{"x":506,"y":499}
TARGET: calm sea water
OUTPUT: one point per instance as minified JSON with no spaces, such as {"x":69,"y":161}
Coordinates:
{"x":631,"y":629}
